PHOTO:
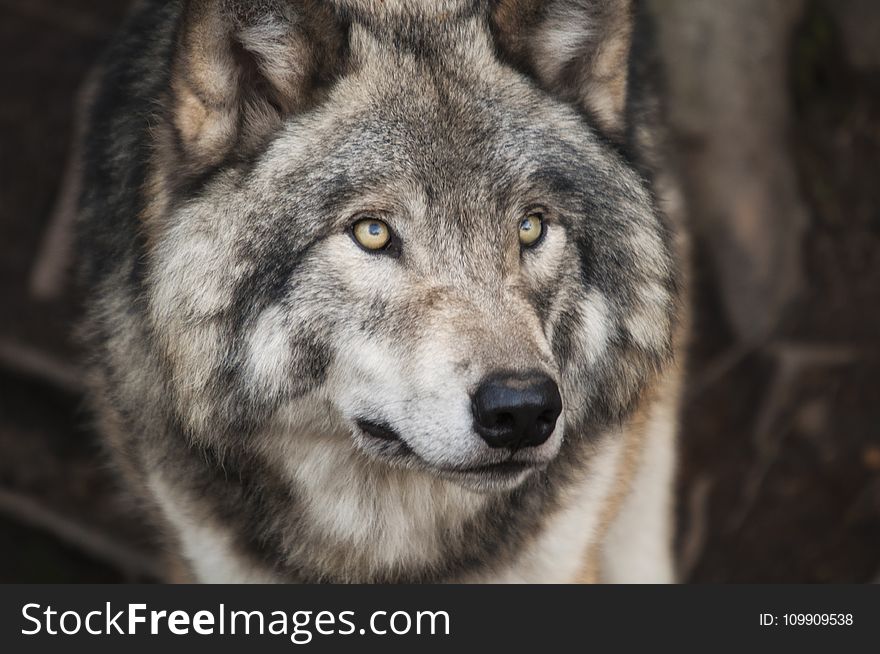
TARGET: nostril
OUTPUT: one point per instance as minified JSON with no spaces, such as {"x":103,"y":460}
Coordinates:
{"x":548,"y":417}
{"x":504,"y":421}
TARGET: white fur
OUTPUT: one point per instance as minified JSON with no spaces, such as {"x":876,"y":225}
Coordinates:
{"x":390,"y":517}
{"x":648,"y":322}
{"x":648,"y":251}
{"x":638,"y":548}
{"x":595,"y":325}
{"x":562,"y":39}
{"x":269,"y":355}
{"x":207,"y":547}
{"x":558,"y":555}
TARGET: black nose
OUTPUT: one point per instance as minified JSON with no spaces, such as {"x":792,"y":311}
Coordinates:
{"x":516,"y":411}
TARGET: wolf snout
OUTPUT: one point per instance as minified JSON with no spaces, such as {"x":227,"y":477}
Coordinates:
{"x":516,"y":411}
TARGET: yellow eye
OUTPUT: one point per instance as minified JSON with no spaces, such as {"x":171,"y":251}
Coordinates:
{"x":372,"y":234}
{"x":531,"y":229}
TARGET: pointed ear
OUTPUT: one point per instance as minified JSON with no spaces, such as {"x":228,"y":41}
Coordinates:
{"x":242,"y":66}
{"x":576,"y":49}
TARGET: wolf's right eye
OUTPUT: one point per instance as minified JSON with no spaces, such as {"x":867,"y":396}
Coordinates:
{"x":371,"y":234}
{"x":531,"y":230}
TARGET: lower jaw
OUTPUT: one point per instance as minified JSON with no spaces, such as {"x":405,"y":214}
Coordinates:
{"x":488,"y":481}
{"x":490,"y":478}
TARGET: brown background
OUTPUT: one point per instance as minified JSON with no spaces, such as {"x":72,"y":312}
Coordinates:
{"x":775,"y":110}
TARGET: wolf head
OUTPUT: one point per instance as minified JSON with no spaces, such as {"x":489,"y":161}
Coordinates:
{"x":402,"y":225}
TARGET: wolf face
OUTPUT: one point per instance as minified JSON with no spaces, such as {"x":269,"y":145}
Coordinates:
{"x":406,"y":241}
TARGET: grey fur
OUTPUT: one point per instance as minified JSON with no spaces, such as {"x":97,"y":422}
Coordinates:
{"x":238,"y":334}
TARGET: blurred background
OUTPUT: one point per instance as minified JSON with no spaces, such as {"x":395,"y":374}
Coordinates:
{"x":775,"y":115}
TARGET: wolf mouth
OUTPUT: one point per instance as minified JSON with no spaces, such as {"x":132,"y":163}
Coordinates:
{"x":507,"y":468}
{"x":379,"y":431}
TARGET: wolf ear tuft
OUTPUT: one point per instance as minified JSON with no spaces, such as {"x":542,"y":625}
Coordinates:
{"x":241,"y":66}
{"x":576,"y":49}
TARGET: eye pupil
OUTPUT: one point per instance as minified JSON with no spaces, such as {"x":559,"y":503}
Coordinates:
{"x":375,"y":229}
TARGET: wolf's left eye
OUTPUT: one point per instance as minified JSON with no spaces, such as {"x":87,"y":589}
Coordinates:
{"x":371,"y":234}
{"x":531,"y":229}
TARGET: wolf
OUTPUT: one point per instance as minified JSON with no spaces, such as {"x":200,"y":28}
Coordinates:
{"x":386,"y":291}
